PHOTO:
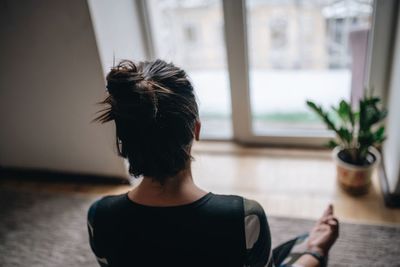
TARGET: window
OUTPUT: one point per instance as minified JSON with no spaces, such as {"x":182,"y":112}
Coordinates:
{"x":189,"y":34}
{"x":277,"y":55}
{"x":308,"y":58}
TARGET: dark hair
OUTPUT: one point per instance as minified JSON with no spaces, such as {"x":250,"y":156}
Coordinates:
{"x":154,"y":109}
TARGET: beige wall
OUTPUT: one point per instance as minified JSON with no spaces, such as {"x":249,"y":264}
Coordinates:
{"x":50,"y":80}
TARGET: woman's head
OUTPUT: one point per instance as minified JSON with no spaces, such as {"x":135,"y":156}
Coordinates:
{"x":156,"y":116}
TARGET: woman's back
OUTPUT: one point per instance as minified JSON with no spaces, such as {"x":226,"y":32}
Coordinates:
{"x":215,"y":230}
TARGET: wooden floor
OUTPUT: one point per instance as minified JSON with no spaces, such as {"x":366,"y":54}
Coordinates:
{"x":287,"y":182}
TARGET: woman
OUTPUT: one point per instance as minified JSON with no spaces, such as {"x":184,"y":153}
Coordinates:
{"x":167,"y":220}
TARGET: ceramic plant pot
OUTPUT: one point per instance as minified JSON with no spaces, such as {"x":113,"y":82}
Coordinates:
{"x":355,"y":179}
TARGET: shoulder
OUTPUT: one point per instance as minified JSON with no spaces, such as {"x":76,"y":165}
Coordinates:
{"x":257,"y":233}
{"x":227,"y":198}
{"x":110,"y":200}
{"x":248,"y":204}
{"x":249,"y":209}
{"x":226,"y":204}
{"x":252,"y":207}
{"x":104,"y":206}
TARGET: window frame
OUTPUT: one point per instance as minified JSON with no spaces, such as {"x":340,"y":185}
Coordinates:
{"x":235,"y":31}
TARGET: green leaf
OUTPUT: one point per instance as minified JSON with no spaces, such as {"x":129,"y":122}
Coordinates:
{"x":314,"y":107}
{"x":380,"y":131}
{"x":372,"y":100}
{"x":370,"y":114}
{"x":321,"y":113}
{"x":365,"y":139}
{"x":344,"y":112}
{"x":379,"y":135}
{"x":345,"y":135}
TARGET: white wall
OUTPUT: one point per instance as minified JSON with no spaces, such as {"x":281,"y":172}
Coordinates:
{"x":391,"y":152}
{"x":117,"y":29}
{"x":50,"y":81}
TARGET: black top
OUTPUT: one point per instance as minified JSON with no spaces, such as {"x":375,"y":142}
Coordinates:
{"x":216,"y":230}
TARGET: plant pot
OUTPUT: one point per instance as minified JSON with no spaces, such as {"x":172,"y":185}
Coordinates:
{"x":355,"y":179}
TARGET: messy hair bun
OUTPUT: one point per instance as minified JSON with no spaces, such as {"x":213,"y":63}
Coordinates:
{"x":154,"y":109}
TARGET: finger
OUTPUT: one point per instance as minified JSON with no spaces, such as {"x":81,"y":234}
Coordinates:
{"x":323,"y":227}
{"x":328,"y":210}
{"x":333,"y":221}
{"x":327,"y":218}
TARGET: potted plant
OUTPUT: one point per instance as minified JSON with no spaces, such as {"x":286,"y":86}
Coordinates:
{"x":358,"y":133}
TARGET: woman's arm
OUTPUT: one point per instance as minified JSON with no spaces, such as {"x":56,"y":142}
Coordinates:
{"x":320,"y":240}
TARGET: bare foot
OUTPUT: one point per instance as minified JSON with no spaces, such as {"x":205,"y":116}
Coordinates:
{"x":324,"y":233}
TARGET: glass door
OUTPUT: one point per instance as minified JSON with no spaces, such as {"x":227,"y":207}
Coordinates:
{"x":300,"y":50}
{"x":254,"y":63}
{"x":191,"y":35}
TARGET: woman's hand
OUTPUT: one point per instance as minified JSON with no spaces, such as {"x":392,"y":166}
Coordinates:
{"x":324,"y":233}
{"x":321,"y":238}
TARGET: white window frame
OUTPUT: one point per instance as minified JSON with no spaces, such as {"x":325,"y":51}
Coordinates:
{"x":238,"y":67}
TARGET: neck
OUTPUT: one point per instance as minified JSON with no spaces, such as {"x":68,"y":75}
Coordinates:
{"x":175,"y":190}
{"x":172,"y":185}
